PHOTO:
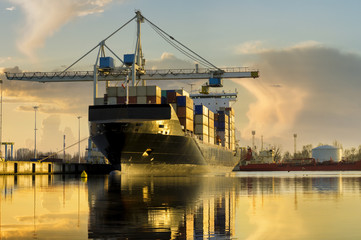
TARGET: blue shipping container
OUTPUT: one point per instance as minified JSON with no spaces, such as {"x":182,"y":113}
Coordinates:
{"x":128,"y":59}
{"x":106,"y":62}
{"x":221,"y":126}
{"x":221,"y":118}
{"x":215,"y":82}
{"x":164,"y":100}
{"x":181,"y":101}
{"x":199,"y":110}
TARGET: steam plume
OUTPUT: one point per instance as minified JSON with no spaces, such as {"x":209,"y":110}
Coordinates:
{"x":309,"y":89}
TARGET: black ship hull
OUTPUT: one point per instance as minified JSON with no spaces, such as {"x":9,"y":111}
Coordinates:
{"x":155,"y":143}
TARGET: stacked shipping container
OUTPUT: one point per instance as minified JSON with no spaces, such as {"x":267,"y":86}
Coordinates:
{"x":222,"y":129}
{"x":225,"y":126}
{"x":185,"y":112}
{"x":214,"y":128}
{"x":201,"y":122}
{"x":137,"y":95}
{"x":231,"y":127}
{"x":211,"y":131}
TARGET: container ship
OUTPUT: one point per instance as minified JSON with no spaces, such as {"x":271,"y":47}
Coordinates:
{"x":167,"y":131}
{"x":265,"y":162}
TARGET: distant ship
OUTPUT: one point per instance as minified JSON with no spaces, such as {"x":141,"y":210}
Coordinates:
{"x":265,"y":162}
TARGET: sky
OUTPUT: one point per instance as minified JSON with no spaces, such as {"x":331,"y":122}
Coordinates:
{"x":307,"y":52}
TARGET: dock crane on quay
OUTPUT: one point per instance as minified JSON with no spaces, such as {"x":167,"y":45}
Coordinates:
{"x":132,"y":71}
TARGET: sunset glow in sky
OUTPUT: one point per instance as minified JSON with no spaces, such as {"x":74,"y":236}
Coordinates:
{"x":307,"y":52}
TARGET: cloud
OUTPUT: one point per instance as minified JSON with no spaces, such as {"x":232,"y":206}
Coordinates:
{"x":308,"y":89}
{"x":251,"y":47}
{"x":52,"y":98}
{"x":10,"y":8}
{"x":44,"y":18}
{"x":2,"y":60}
{"x":170,"y":61}
{"x":259,"y":47}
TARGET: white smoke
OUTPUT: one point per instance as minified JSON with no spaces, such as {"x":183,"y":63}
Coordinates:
{"x":44,"y":17}
{"x":306,"y":89}
{"x":275,"y":109}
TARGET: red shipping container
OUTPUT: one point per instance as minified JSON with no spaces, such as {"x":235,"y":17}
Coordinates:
{"x":172,"y":97}
{"x":121,"y":100}
{"x":132,"y":99}
{"x":184,"y":112}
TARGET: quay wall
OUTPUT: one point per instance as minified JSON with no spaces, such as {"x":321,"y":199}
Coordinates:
{"x":32,"y":167}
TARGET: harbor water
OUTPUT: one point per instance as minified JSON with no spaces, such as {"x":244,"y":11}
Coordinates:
{"x":287,"y":205}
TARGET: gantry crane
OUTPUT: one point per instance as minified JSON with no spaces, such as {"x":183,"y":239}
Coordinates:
{"x":133,"y":69}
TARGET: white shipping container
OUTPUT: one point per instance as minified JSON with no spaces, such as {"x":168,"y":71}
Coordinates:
{"x":141,"y":100}
{"x":211,"y":123}
{"x":210,"y":114}
{"x":132,"y":91}
{"x":205,"y":138}
{"x":112,"y":91}
{"x":154,"y":91}
{"x":141,"y":91}
{"x":211,"y":132}
{"x":112,"y":100}
{"x":201,"y":129}
{"x":121,"y":92}
{"x":201,"y":119}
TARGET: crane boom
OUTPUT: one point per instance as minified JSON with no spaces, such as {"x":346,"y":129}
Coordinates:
{"x":121,"y":75}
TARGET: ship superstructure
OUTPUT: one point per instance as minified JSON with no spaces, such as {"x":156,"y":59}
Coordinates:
{"x":138,"y":125}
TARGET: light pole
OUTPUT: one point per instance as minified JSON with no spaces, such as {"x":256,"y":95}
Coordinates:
{"x":79,"y":140}
{"x":35,"y":109}
{"x":294,"y":138}
{"x":1,"y":118}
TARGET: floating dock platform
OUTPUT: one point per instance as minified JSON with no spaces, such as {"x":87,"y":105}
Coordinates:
{"x":34,"y":167}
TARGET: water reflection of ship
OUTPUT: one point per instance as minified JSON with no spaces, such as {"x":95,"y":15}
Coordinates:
{"x":161,"y":207}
